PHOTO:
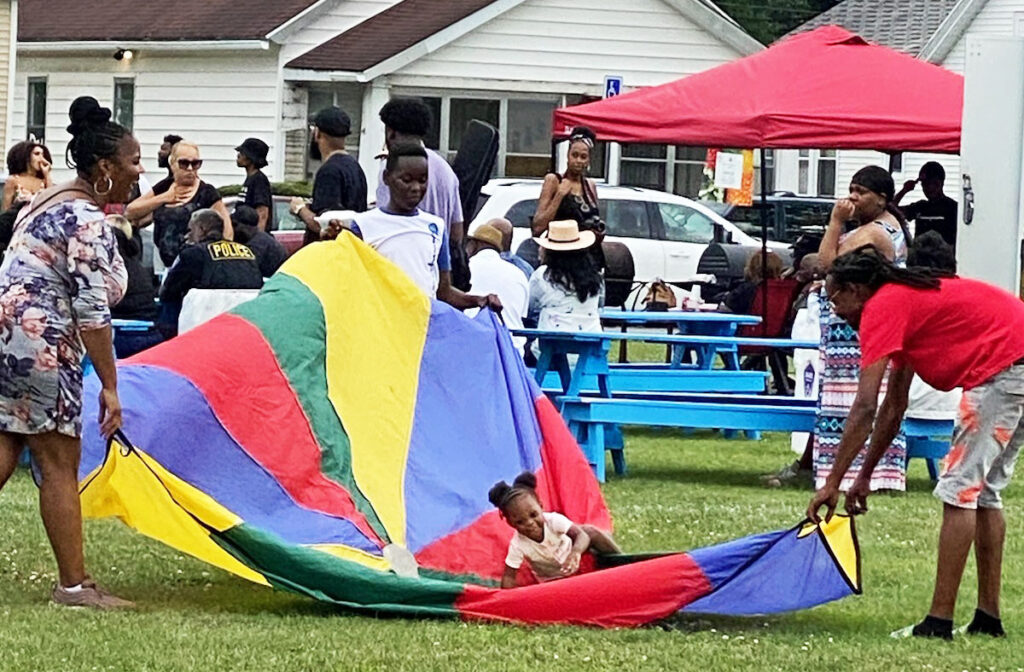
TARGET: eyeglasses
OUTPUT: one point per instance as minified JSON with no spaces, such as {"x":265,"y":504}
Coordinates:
{"x":194,"y":164}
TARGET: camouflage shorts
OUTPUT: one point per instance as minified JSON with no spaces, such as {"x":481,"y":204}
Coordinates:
{"x":988,"y":437}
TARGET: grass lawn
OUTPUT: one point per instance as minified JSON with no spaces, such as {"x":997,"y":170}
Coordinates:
{"x":683,"y":491}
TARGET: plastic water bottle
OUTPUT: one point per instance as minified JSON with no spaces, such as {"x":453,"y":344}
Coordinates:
{"x":808,"y":379}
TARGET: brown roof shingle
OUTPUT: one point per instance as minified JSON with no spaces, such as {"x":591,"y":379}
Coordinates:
{"x":185,"y":20}
{"x":386,"y":34}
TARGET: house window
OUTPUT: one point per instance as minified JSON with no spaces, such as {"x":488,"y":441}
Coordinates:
{"x":827,"y":172}
{"x":769,"y":171}
{"x":803,"y":180}
{"x":124,"y":102}
{"x":689,"y":170}
{"x":816,"y":172}
{"x":433,"y":138}
{"x":675,"y":167}
{"x":896,"y":162}
{"x":524,"y":122}
{"x":36,"y":117}
{"x":349,"y":97}
{"x":643,"y":165}
{"x":528,"y":148}
{"x":465,"y":110}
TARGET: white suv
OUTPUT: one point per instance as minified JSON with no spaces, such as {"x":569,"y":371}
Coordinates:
{"x":665,"y":233}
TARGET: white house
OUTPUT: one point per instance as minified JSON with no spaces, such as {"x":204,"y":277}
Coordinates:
{"x":216,"y":71}
{"x":933,"y":30}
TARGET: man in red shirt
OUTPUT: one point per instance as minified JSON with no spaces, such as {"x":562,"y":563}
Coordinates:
{"x":954,"y":332}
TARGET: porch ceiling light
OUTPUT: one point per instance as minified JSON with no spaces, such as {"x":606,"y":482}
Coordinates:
{"x":124,"y":55}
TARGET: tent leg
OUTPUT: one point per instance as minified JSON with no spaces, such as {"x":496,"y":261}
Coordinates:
{"x":764,"y":242}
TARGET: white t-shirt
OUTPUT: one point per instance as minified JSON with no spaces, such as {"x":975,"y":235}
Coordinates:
{"x":493,"y":275}
{"x":412,"y":242}
{"x":545,"y":556}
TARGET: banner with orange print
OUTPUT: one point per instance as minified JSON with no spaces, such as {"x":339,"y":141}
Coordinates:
{"x":745,"y":194}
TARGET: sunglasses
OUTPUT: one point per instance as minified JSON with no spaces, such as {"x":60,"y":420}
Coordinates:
{"x":194,"y":164}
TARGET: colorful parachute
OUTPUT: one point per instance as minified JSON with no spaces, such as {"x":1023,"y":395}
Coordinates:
{"x":337,"y":436}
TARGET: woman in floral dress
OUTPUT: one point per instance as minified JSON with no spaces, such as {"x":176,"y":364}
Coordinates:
{"x":869,"y":209}
{"x":58,"y":279}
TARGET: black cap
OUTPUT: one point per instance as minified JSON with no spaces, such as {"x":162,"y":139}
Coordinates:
{"x":245,"y":215}
{"x":255,"y":150}
{"x":333,"y":121}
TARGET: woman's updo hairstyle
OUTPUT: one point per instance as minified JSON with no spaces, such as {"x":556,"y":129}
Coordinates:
{"x":584,"y":135}
{"x":93,"y":135}
{"x":502,"y":494}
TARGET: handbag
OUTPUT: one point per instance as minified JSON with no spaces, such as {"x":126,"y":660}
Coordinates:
{"x":659,"y":297}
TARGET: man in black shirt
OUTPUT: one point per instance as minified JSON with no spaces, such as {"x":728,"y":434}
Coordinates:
{"x":339,"y":183}
{"x":939,"y":212}
{"x":163,"y":154}
{"x":256,"y":192}
{"x":208,"y":262}
{"x":270,"y":254}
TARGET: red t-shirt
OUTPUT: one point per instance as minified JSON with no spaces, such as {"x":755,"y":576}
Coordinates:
{"x":957,"y":336}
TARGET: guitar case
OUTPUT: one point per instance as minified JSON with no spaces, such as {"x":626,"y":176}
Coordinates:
{"x":473,"y":165}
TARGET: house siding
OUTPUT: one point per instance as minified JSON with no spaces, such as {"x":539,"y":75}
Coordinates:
{"x":236,"y":96}
{"x":568,"y":46}
{"x":998,"y":18}
{"x":6,"y":31}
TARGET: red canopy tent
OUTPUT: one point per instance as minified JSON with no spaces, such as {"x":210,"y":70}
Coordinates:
{"x":827,"y":88}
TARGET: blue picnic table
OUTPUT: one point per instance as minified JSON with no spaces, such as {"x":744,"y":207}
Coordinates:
{"x":685,"y":322}
{"x":594,"y":418}
{"x":580,"y":360}
{"x":591,"y":349}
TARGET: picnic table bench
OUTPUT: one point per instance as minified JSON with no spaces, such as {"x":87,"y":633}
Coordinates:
{"x":664,"y":378}
{"x":594,"y":418}
{"x":591,"y":351}
{"x":588,"y":418}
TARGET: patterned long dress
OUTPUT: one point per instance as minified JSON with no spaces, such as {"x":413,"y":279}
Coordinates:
{"x":840,"y":357}
{"x":59,"y":277}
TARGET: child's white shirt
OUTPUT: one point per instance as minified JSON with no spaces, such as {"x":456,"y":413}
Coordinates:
{"x":547,"y":555}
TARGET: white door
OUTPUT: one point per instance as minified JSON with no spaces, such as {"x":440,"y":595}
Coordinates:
{"x":989,"y":247}
{"x":628,"y":222}
{"x":688,"y":232}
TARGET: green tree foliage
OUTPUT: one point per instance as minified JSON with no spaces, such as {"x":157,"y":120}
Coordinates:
{"x":768,"y":20}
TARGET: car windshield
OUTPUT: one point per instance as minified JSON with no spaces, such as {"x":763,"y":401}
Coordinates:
{"x":809,"y":218}
{"x":521,"y":213}
{"x":284,"y":220}
{"x":748,"y":219}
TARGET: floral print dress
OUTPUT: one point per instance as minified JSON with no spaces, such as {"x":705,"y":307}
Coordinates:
{"x":59,"y":277}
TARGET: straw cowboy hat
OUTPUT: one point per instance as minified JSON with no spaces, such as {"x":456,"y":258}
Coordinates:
{"x":565,"y":235}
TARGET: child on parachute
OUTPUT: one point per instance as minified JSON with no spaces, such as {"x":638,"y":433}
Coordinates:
{"x":550,"y":542}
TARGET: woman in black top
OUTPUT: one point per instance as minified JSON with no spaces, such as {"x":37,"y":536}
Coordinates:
{"x":572,"y":195}
{"x":171,"y":202}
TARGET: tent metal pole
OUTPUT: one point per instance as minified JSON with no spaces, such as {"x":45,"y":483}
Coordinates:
{"x":764,"y":242}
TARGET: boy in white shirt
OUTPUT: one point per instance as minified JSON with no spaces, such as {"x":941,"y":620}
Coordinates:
{"x":416,"y":241}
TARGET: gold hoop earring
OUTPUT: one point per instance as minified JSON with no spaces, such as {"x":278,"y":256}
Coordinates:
{"x":110,"y":185}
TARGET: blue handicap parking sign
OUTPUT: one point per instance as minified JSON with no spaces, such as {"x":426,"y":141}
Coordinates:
{"x":612,"y":86}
